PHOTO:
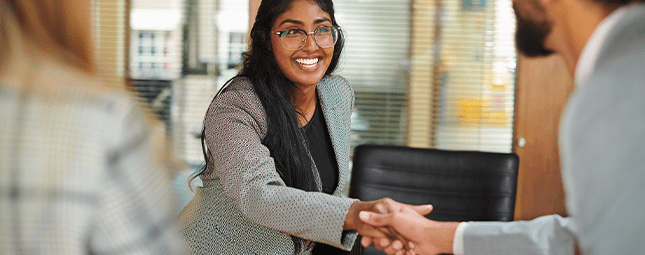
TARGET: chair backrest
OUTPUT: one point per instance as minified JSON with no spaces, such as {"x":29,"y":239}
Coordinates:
{"x":461,"y":185}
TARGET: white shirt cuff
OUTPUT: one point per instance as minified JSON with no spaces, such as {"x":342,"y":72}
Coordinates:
{"x":458,"y":242}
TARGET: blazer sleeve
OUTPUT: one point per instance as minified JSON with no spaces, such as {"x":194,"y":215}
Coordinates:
{"x":546,"y":235}
{"x":235,"y":124}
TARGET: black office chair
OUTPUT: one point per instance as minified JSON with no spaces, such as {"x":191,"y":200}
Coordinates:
{"x":461,"y":185}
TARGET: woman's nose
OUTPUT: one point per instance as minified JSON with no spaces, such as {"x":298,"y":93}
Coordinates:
{"x":310,"y":43}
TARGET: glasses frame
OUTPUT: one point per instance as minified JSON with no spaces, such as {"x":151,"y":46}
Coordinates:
{"x":304,"y":40}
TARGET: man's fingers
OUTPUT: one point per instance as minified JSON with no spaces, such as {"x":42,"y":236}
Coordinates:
{"x":381,"y":243}
{"x":379,"y":207}
{"x":397,"y":244}
{"x":411,"y":247}
{"x":394,"y":206}
{"x":395,"y":248}
{"x":422,"y":209}
{"x":366,"y":241}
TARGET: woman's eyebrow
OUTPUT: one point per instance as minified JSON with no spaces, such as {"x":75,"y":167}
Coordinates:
{"x":321,"y":20}
{"x":298,"y":22}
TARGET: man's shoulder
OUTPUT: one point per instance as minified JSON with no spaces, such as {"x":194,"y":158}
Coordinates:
{"x":627,"y":37}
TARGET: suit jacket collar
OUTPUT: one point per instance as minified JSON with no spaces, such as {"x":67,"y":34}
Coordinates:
{"x":621,"y":26}
{"x":333,"y":105}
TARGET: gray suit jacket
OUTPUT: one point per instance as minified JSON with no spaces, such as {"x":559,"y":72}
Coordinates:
{"x":602,"y":147}
{"x":244,"y":206}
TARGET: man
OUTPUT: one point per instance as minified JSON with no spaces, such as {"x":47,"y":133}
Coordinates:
{"x":601,"y":141}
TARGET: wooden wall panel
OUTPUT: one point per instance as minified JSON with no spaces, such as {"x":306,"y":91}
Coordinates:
{"x":543,"y":86}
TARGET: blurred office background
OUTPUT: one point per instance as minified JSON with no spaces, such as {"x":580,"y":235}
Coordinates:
{"x":427,"y":73}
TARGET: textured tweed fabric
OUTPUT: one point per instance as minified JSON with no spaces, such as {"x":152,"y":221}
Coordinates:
{"x":78,"y":172}
{"x":244,"y":206}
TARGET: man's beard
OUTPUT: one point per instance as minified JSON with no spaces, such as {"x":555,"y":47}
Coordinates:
{"x":530,"y":37}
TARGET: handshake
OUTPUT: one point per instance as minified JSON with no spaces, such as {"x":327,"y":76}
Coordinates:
{"x":399,"y":229}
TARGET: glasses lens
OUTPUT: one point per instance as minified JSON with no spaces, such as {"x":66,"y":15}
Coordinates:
{"x":293,"y":39}
{"x":326,"y":36}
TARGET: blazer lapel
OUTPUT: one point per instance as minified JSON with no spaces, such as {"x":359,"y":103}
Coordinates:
{"x":333,"y":103}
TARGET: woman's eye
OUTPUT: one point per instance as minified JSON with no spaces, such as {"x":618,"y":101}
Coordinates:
{"x":322,"y":30}
{"x":292,"y":31}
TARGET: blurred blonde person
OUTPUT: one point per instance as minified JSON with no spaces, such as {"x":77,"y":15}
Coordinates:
{"x":79,"y":173}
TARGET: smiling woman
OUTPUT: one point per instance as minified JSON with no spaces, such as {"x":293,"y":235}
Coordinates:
{"x":276,"y":143}
{"x":307,"y":64}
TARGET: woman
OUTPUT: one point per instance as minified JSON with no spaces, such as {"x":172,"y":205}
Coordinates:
{"x":80,"y":174}
{"x":278,"y":144}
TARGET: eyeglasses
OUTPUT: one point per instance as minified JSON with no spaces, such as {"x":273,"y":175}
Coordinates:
{"x":295,"y":38}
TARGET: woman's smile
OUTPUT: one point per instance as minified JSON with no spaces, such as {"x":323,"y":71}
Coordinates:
{"x":307,"y":62}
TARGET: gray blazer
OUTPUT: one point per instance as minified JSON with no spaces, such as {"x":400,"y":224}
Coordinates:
{"x":602,"y":147}
{"x":244,"y":206}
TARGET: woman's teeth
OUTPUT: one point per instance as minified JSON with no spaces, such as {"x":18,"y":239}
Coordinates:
{"x":307,"y":61}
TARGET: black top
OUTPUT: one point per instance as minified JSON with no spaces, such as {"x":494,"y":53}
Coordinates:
{"x":320,"y":147}
{"x":322,"y":151}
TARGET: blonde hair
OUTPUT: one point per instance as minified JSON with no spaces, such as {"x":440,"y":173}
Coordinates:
{"x":60,"y":28}
{"x":57,"y":33}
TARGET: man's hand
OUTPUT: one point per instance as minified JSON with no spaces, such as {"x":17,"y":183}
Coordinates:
{"x":425,"y":236}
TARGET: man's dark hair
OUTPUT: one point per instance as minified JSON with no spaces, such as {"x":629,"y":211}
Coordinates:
{"x":617,"y":3}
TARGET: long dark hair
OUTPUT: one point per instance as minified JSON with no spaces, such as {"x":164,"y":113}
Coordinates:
{"x":277,"y":94}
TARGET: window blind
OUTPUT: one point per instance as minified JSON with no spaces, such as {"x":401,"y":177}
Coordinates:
{"x":434,"y":74}
{"x":109,"y":26}
{"x":375,"y":61}
{"x":473,"y":75}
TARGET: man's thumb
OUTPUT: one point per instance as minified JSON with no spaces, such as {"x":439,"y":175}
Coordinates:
{"x":423,"y":209}
{"x":374,"y":219}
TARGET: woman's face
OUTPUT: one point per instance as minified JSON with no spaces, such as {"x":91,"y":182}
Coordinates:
{"x":306,"y":66}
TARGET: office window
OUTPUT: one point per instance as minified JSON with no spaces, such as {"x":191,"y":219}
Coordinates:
{"x":237,"y":45}
{"x":473,"y":73}
{"x":434,"y":74}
